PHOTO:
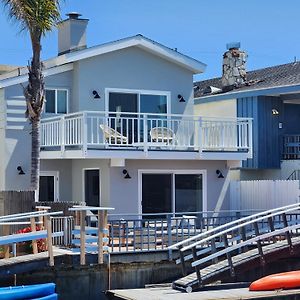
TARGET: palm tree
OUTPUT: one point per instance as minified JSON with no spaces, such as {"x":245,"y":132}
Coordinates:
{"x":37,"y":17}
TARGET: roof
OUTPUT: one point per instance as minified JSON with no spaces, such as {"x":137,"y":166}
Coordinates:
{"x":271,"y":77}
{"x":139,"y":40}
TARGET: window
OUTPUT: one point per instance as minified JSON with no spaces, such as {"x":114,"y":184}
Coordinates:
{"x":56,"y":101}
{"x":172,"y":191}
{"x":138,"y":101}
{"x":48,"y":186}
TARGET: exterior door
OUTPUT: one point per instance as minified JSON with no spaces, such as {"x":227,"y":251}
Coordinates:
{"x":48,"y":191}
{"x":92,"y":187}
{"x":156,"y":193}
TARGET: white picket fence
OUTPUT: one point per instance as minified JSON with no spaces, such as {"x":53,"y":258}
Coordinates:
{"x":263,"y":194}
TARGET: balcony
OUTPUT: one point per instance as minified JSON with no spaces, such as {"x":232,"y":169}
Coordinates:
{"x":291,"y":146}
{"x":104,"y":134}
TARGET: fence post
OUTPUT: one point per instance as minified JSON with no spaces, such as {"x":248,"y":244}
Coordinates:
{"x":145,"y":135}
{"x":82,"y":237}
{"x":62,"y":135}
{"x":6,"y":247}
{"x":200,"y":142}
{"x":49,"y":241}
{"x":84,"y":133}
{"x":169,"y":226}
{"x":100,"y":236}
{"x":34,"y":242}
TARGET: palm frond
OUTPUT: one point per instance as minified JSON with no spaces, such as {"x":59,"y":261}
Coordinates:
{"x":35,"y":16}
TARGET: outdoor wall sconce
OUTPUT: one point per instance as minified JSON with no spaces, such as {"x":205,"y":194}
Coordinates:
{"x":180,"y":97}
{"x":275,"y":111}
{"x":127,"y":176}
{"x":96,"y":95}
{"x":21,"y":172}
{"x":219,"y":173}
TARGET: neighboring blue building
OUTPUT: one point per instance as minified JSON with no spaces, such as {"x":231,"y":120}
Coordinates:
{"x":270,"y":96}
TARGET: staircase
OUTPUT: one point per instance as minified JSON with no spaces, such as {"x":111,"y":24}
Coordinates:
{"x":235,"y":247}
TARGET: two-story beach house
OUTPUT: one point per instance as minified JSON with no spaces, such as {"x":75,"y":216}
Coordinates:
{"x":271,"y":96}
{"x":119,"y":129}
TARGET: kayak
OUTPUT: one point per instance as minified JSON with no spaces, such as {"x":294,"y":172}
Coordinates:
{"x":287,"y":280}
{"x":49,"y":297}
{"x":35,"y":291}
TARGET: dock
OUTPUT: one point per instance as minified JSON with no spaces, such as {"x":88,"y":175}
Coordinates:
{"x":165,"y":292}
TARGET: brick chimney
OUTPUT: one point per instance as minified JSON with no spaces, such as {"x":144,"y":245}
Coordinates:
{"x":234,"y":67}
{"x":72,"y":33}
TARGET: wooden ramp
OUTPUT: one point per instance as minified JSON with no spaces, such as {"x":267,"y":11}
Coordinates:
{"x":233,"y":248}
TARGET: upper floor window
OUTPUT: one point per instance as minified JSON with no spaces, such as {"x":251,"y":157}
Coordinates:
{"x":56,"y":101}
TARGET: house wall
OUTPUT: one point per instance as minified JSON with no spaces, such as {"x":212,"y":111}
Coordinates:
{"x":125,"y":197}
{"x":267,"y":135}
{"x":122,"y":194}
{"x":2,"y":138}
{"x":130,"y":68}
{"x":222,"y":109}
{"x":64,"y":167}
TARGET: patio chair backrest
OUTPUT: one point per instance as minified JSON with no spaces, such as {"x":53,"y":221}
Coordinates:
{"x":162,"y":134}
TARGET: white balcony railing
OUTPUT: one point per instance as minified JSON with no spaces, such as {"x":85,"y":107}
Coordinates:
{"x":100,"y":130}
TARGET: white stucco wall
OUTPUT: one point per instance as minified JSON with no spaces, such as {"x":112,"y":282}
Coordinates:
{"x":224,"y":108}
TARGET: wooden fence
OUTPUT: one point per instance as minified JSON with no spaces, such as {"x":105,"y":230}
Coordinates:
{"x":14,"y":202}
{"x":263,"y":194}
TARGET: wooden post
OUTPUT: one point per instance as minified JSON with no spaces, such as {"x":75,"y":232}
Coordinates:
{"x":6,"y":247}
{"x":194,"y":252}
{"x":100,"y":236}
{"x":34,"y":242}
{"x":105,"y":226}
{"x":183,"y":268}
{"x":229,"y":258}
{"x":82,"y":237}
{"x":287,"y":233}
{"x":259,"y":246}
{"x":49,"y":241}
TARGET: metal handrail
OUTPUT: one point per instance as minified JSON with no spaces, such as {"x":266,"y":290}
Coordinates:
{"x":235,"y":227}
{"x":244,"y":243}
{"x":268,"y":212}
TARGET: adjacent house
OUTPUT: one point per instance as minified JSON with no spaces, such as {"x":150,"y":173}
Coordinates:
{"x":119,"y":128}
{"x":271,"y":96}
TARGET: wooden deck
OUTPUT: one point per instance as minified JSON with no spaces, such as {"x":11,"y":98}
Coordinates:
{"x":167,"y":293}
{"x":29,"y":262}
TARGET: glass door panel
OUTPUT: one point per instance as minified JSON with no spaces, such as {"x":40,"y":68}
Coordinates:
{"x":92,"y":187}
{"x":122,"y":121}
{"x":47,"y":189}
{"x":188,"y":192}
{"x":156,"y":193}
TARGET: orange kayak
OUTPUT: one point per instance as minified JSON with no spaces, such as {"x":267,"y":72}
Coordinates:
{"x":287,"y":280}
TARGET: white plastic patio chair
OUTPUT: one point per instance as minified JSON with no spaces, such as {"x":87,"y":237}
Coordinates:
{"x":162,"y":135}
{"x":112,"y":136}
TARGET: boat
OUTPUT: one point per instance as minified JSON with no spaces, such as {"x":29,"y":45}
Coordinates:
{"x":49,"y":297}
{"x":36,"y":291}
{"x":287,"y":280}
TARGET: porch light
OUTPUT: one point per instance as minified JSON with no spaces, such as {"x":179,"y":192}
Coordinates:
{"x":180,"y":97}
{"x":96,"y":95}
{"x":127,"y":176}
{"x":219,"y":173}
{"x":275,"y":111}
{"x":21,"y":172}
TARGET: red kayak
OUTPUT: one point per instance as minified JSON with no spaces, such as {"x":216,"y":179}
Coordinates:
{"x":287,"y":280}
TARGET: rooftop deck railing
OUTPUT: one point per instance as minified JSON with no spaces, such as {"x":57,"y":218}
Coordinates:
{"x":141,"y":131}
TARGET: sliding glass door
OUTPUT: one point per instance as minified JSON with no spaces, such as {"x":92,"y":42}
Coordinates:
{"x":172,"y":192}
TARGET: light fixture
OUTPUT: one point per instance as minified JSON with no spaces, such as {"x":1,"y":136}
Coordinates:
{"x":180,"y":97}
{"x":275,"y":111}
{"x":219,"y":173}
{"x":127,"y":176}
{"x":96,"y":95}
{"x":21,"y":172}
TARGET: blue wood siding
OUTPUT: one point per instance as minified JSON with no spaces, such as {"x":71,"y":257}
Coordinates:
{"x":267,"y":137}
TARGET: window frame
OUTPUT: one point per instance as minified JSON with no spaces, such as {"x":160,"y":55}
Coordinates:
{"x":138,"y":92}
{"x":173,"y":173}
{"x":54,"y":174}
{"x":56,"y":89}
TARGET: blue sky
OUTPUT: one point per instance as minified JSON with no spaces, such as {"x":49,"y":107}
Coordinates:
{"x":267,"y":29}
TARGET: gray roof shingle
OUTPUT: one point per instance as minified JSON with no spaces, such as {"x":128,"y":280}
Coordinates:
{"x":281,"y":75}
